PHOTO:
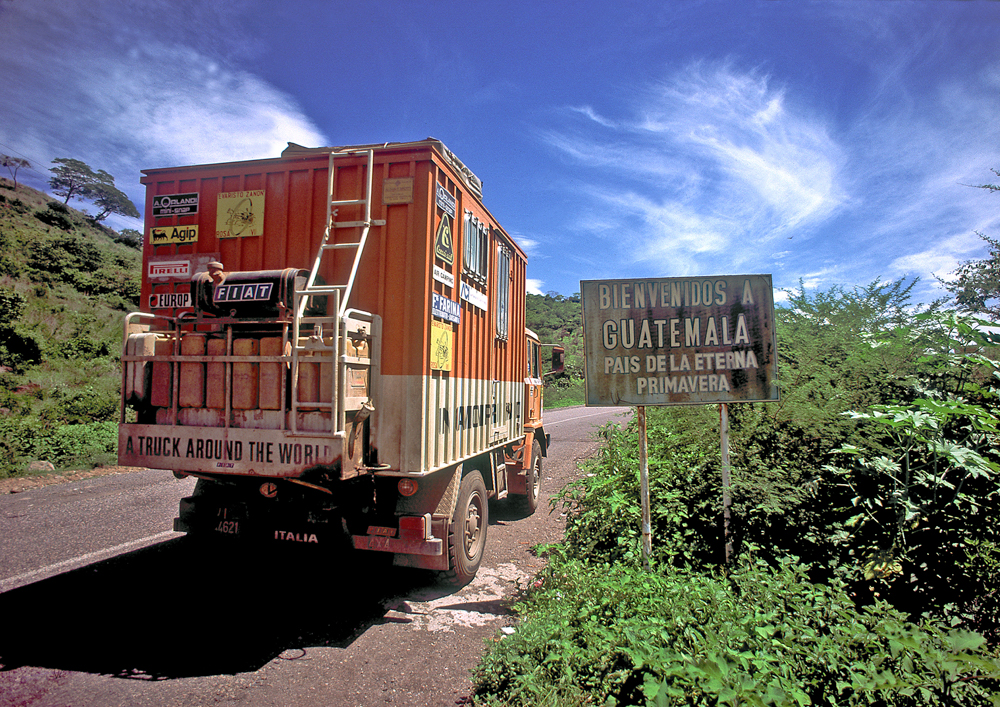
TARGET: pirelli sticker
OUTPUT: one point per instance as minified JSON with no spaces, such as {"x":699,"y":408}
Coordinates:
{"x":169,"y":269}
{"x":173,"y":234}
{"x":442,"y":344}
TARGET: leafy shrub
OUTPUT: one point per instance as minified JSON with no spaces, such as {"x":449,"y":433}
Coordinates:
{"x":925,"y":506}
{"x":82,"y":404}
{"x":83,"y":444}
{"x":130,"y":237}
{"x":82,"y":346}
{"x":55,"y":218}
{"x":12,"y":305}
{"x":16,"y":204}
{"x":20,"y":347}
{"x":762,"y":636}
{"x":23,"y":439}
{"x":604,"y":520}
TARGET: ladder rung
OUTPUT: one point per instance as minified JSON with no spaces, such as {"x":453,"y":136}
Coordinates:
{"x":358,"y":224}
{"x":331,"y":246}
{"x":321,"y":290}
{"x":347,"y":202}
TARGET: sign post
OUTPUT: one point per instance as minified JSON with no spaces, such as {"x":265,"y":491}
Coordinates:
{"x":647,"y":526}
{"x":680,"y":341}
{"x":727,"y":500}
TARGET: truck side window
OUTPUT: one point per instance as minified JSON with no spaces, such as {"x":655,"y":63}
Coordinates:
{"x":476,"y":248}
{"x":503,"y":292}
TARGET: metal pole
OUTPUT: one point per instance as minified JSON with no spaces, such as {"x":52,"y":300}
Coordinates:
{"x":647,"y":533}
{"x":726,"y":498}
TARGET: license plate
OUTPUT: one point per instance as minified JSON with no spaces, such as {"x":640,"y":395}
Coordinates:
{"x":228,"y":527}
{"x":226,"y":522}
{"x":374,"y":542}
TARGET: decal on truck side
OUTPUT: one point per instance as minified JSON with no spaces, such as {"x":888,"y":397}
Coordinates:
{"x":243,"y":292}
{"x":161,"y":235}
{"x":226,"y":450}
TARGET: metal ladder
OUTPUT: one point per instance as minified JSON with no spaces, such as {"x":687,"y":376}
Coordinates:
{"x":316,"y":344}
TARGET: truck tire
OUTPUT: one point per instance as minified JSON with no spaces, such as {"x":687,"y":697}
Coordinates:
{"x":467,"y":532}
{"x":532,"y":481}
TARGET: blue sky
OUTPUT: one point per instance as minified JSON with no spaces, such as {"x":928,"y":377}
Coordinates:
{"x":828,"y":142}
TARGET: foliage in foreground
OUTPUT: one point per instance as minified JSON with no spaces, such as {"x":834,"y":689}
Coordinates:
{"x":863,"y":509}
{"x":617,"y":635}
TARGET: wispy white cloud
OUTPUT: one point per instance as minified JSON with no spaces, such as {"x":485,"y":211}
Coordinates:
{"x":711,"y":158}
{"x":530,"y":246}
{"x":534,"y":286}
{"x":589,"y":112}
{"x":133,"y":100}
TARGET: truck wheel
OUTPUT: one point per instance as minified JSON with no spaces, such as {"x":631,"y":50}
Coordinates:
{"x":467,"y":533}
{"x":532,"y":480}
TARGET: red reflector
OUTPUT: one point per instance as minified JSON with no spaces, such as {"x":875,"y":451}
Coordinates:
{"x":414,"y":527}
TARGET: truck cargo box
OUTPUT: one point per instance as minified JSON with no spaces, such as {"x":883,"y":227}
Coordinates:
{"x":364,"y":313}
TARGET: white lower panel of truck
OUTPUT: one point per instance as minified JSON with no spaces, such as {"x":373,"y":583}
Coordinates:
{"x":425,"y":423}
{"x":216,"y":450}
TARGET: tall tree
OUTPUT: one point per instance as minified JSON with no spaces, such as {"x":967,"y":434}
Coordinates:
{"x":76,"y":179}
{"x":73,"y":178}
{"x":976,"y":283}
{"x":110,"y":200}
{"x":13,"y":164}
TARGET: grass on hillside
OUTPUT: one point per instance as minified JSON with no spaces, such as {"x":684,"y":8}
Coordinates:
{"x":65,"y":285}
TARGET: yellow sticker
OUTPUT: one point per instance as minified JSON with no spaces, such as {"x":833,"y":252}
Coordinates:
{"x":443,"y":241}
{"x":240,"y":214}
{"x":442,"y":339}
{"x":173,"y":234}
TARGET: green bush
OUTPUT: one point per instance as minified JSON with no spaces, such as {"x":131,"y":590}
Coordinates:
{"x":54,"y":217}
{"x":924,"y":507}
{"x":83,"y":444}
{"x":761,"y":636}
{"x":82,"y":404}
{"x":604,"y":517}
{"x":83,"y":347}
{"x":23,"y":439}
{"x":20,"y":347}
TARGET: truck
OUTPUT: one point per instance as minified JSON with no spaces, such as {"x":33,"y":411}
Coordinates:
{"x":333,"y":342}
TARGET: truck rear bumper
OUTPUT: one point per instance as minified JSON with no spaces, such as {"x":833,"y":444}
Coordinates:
{"x":234,"y":520}
{"x":433,"y":546}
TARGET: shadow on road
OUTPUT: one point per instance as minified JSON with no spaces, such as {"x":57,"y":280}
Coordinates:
{"x":182,"y":609}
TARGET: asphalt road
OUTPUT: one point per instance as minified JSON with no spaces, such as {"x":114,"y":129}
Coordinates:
{"x":101,"y":604}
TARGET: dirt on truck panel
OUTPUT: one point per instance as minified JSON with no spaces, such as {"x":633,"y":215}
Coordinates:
{"x":333,"y":341}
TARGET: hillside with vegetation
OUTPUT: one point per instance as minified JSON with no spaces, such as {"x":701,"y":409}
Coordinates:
{"x":66,"y":282}
{"x":558,"y":320}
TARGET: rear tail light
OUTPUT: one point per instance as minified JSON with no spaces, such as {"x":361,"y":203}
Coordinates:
{"x":407,"y":487}
{"x":415,"y":527}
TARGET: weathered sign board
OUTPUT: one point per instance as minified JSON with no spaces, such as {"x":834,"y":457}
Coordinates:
{"x":680,"y":341}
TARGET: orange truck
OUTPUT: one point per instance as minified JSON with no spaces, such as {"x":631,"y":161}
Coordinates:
{"x":334,"y":343}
